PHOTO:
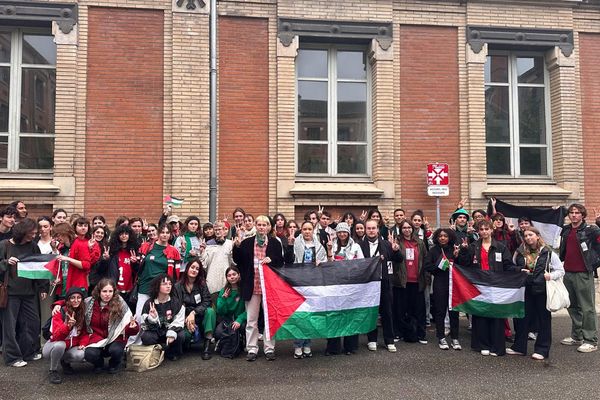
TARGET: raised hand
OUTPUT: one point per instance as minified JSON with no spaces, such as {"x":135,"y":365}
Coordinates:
{"x":91,"y":243}
{"x":132,"y":322}
{"x":153,"y":313}
{"x":71,"y":320}
{"x":363,"y":215}
{"x":426,"y":223}
{"x":465,"y":243}
{"x":455,"y":252}
{"x":320,"y":210}
{"x":106,"y":254}
{"x":133,"y":257}
{"x":226,"y":293}
{"x":144,"y":225}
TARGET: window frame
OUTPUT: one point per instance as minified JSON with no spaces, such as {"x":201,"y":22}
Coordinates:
{"x":513,"y":115}
{"x":332,"y":120}
{"x":14,"y":133}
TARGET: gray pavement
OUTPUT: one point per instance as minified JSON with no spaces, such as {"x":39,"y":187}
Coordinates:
{"x":414,"y":372}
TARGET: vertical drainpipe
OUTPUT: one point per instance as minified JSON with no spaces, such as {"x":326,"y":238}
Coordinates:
{"x":212,"y":190}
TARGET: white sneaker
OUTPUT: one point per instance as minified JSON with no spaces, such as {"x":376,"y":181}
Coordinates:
{"x":372,"y":346}
{"x":569,"y":341}
{"x":391,"y":348}
{"x":260,"y":336}
{"x":307,"y":352}
{"x":37,"y":356}
{"x":587,"y":348}
{"x":19,"y":364}
{"x":298,"y":353}
{"x":537,"y":356}
{"x":511,"y":352}
{"x":456,"y":344}
{"x":423,"y":341}
{"x":443,"y":344}
{"x":485,"y":352}
{"x":532,"y":336}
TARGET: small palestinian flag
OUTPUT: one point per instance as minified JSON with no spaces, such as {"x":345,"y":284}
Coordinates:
{"x":486,"y":293}
{"x":303,"y":301}
{"x":174,"y":201}
{"x":38,"y":266}
{"x":444,"y":264}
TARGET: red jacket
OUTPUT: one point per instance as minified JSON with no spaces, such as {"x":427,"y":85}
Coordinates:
{"x":94,"y":253}
{"x":171,"y":253}
{"x":59,"y":331}
{"x":99,"y":325}
{"x":79,"y":277}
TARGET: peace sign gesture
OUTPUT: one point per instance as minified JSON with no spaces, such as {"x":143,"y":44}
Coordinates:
{"x":153,"y":313}
{"x":426,"y":223}
{"x":71,"y":320}
{"x":106,"y":254}
{"x":456,"y":249}
{"x":133,"y":258}
{"x":132,"y":322}
{"x":465,"y":243}
{"x":320,"y":210}
{"x":363,"y":215}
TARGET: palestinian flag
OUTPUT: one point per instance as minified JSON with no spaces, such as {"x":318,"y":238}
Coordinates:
{"x":444,"y":264}
{"x":174,"y":201}
{"x":303,"y":301}
{"x":38,"y":266}
{"x":486,"y":293}
{"x":548,"y":220}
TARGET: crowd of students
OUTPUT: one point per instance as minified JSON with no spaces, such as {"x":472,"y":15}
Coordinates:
{"x":175,"y":283}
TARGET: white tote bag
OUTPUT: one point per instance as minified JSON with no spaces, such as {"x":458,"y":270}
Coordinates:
{"x":557,"y":296}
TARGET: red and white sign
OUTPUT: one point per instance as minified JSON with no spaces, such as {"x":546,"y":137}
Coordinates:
{"x":437,"y":180}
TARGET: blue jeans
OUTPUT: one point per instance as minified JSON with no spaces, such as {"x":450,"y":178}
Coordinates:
{"x":299,"y":343}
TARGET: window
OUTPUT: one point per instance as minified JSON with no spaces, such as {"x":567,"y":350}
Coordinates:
{"x":333,"y":121}
{"x":27,"y":101}
{"x":516,"y":116}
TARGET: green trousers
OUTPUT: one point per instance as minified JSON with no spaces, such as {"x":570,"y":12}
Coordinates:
{"x":582,"y":311}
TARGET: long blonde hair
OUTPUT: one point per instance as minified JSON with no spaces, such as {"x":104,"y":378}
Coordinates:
{"x":529,"y":254}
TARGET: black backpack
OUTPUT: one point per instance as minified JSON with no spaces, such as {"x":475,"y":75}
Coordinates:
{"x":231,"y":342}
{"x":46,"y":334}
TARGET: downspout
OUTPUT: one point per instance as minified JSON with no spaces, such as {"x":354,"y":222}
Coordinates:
{"x":212,"y":189}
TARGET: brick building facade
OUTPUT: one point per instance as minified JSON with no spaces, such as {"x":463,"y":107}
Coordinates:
{"x":338,"y":103}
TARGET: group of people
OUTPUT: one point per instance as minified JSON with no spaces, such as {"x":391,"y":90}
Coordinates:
{"x":177,"y":283}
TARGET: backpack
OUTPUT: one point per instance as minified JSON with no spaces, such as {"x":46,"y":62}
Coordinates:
{"x":143,"y":358}
{"x":231,"y":342}
{"x":46,"y":333}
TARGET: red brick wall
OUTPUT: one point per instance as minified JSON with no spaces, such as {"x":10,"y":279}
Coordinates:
{"x":429,"y":120}
{"x":124,"y":140}
{"x":243,"y":115}
{"x":589,"y":58}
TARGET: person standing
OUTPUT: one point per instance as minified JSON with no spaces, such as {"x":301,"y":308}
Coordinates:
{"x":216,"y":257}
{"x":7,"y":221}
{"x":375,"y":246}
{"x":580,"y":250}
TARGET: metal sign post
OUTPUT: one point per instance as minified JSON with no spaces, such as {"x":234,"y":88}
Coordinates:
{"x":437,"y":185}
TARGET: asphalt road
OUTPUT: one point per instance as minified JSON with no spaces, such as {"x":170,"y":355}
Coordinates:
{"x":414,"y":372}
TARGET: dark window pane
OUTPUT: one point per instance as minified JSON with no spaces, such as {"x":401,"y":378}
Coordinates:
{"x":39,"y":49}
{"x":5,"y":38}
{"x":37,"y":100}
{"x":312,"y":63}
{"x":496,"y":69}
{"x":532,"y":116}
{"x":312,"y":158}
{"x":530,"y":69}
{"x":352,"y":159}
{"x":496,"y":115}
{"x":533,"y":161}
{"x":351,"y":65}
{"x":36,"y":153}
{"x":498,"y":160}
{"x":3,"y":151}
{"x":4,"y":97}
{"x":352,"y":112}
{"x":312,"y":110}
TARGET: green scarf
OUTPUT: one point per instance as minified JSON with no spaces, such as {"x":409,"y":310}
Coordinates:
{"x":260,"y":240}
{"x":188,"y":245}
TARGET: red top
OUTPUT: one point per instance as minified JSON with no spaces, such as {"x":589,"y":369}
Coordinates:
{"x":485,"y":260}
{"x":61,"y":332}
{"x":99,"y":325}
{"x":573,"y":257}
{"x":79,"y":277}
{"x":411,"y":260}
{"x":125,"y":283}
{"x":94,"y":253}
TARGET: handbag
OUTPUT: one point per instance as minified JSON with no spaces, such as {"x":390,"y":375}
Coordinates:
{"x":557,"y":296}
{"x":143,"y":358}
{"x":4,"y":283}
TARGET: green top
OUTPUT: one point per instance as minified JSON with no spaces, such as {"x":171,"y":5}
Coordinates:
{"x":232,"y":306}
{"x":155,"y":264}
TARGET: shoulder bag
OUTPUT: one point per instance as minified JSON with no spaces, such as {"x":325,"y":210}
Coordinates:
{"x":557,"y":296}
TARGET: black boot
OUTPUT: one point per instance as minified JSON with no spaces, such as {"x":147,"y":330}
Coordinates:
{"x":206,"y":350}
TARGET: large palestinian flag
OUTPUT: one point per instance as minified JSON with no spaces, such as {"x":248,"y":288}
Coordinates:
{"x":37,"y":266}
{"x":486,"y":293}
{"x":303,"y":301}
{"x":548,"y":220}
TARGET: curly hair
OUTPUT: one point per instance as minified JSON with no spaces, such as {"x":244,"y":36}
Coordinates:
{"x":449,"y":232}
{"x":115,"y":241}
{"x":114,"y":305}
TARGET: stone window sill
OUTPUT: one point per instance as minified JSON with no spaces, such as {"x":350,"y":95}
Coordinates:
{"x":28,"y":186}
{"x":336,"y":189}
{"x":525,"y":190}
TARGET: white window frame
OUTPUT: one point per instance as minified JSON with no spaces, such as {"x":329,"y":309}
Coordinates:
{"x":513,"y":93}
{"x":14,"y":120}
{"x":332,"y":123}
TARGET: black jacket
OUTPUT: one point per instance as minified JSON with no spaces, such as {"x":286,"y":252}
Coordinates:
{"x":432,"y":260}
{"x":499,"y":257}
{"x":243,"y":256}
{"x":384,"y":250}
{"x":587,"y":234}
{"x":536,"y":279}
{"x":198,"y":300}
{"x":20,"y":286}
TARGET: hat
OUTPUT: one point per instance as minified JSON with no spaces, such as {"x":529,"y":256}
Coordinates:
{"x":342,"y":227}
{"x":74,"y":290}
{"x":172,"y":218}
{"x":460,"y":211}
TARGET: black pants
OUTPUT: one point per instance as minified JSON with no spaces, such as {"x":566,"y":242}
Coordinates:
{"x":96,"y":355}
{"x":440,"y":298}
{"x":174,"y":349}
{"x":409,"y":312}
{"x":488,"y":334}
{"x":385,"y":310}
{"x":20,"y":315}
{"x":334,"y":345}
{"x":535,"y":310}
